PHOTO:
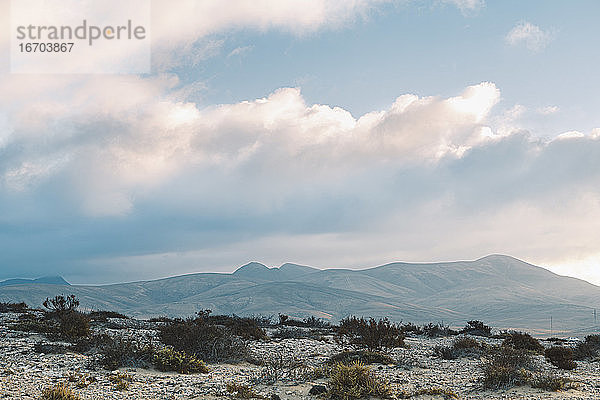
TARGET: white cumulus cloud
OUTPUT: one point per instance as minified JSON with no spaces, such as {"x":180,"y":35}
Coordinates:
{"x":528,"y":35}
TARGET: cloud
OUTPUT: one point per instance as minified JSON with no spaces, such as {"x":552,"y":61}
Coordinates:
{"x":99,"y":179}
{"x":466,"y":6}
{"x":240,"y":51}
{"x":548,"y":110}
{"x":529,"y":35}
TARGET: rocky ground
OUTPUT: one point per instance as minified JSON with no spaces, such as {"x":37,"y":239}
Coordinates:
{"x":28,"y":365}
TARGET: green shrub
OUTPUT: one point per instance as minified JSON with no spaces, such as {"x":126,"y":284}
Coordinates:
{"x":58,"y":392}
{"x":561,"y":357}
{"x":372,"y":334}
{"x":196,"y":337}
{"x":172,"y":360}
{"x":356,"y":381}
{"x":362,"y":356}
{"x":505,"y":367}
{"x":523,"y":341}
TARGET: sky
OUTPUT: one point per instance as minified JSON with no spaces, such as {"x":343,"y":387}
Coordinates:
{"x":336,"y":134}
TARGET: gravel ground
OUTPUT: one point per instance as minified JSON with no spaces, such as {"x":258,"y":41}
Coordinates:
{"x":24,"y":373}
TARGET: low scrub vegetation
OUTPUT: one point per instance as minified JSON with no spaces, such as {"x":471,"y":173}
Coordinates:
{"x":447,"y":394}
{"x":588,"y":349}
{"x":117,"y":353}
{"x":477,"y":328}
{"x":356,"y":381}
{"x":13,"y":307}
{"x":373,"y":334}
{"x":561,"y":357}
{"x":58,"y":392}
{"x":523,"y":341}
{"x":71,"y":323}
{"x":429,"y":330}
{"x":245,"y":328}
{"x":121,"y":381}
{"x":461,"y":347}
{"x":241,"y":391}
{"x":280,"y":367}
{"x":202,"y":339}
{"x":103,"y":316}
{"x":171,"y":360}
{"x":552,"y":383}
{"x":505,"y":367}
{"x":362,"y":356}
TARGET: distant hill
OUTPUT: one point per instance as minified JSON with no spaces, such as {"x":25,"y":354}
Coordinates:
{"x":500,"y":290}
{"x":49,"y":280}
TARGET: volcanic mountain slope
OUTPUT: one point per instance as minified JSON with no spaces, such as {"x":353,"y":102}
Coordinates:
{"x":500,"y":290}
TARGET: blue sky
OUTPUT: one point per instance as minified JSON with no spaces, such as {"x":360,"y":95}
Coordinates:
{"x":329,"y":133}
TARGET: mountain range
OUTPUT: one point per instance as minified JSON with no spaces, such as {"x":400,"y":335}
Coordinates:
{"x":499,"y":290}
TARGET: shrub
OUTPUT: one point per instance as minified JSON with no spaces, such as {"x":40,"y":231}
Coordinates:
{"x":49,"y":348}
{"x":31,"y":323}
{"x":355,"y":381}
{"x":117,"y":353}
{"x":445,"y":352}
{"x":278,"y":366}
{"x":561,"y":357}
{"x":523,"y":341}
{"x":172,"y":360}
{"x":242,"y":391}
{"x":73,"y":325}
{"x":372,"y":334}
{"x":313,"y":322}
{"x":103,"y":316}
{"x":552,"y":383}
{"x":477,"y":328}
{"x":58,"y":392}
{"x":466,"y":343}
{"x":208,"y":342}
{"x":588,"y":349}
{"x":13,"y":307}
{"x":121,"y":381}
{"x":506,"y":367}
{"x":61,"y":304}
{"x":438,"y":330}
{"x":447,"y":394}
{"x":246,"y":328}
{"x":362,"y":356}
{"x":461,"y":347}
{"x":290,"y":333}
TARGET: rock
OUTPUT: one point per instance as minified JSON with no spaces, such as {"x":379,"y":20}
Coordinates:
{"x":274,"y":397}
{"x":317,"y":390}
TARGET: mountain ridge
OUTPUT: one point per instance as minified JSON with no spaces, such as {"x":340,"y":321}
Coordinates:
{"x":496,"y":289}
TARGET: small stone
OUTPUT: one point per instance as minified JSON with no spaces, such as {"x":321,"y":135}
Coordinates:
{"x":317,"y":389}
